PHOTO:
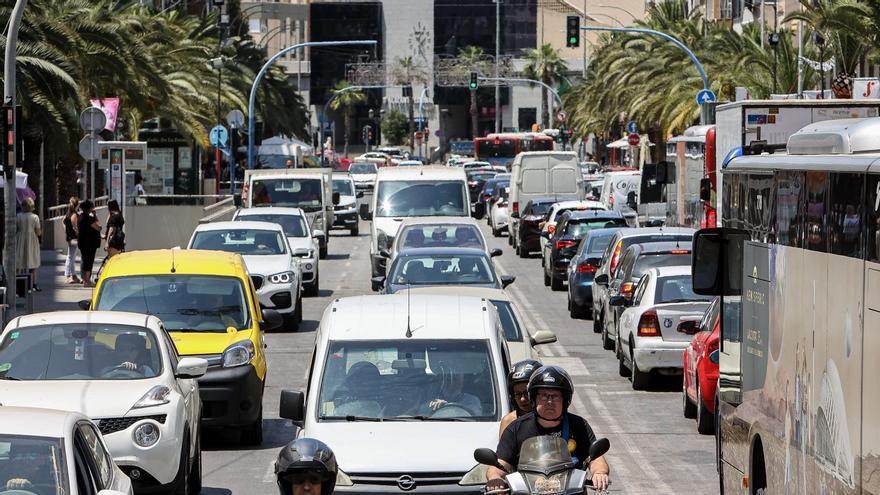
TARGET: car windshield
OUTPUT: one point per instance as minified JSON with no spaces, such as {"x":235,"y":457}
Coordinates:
{"x":39,"y":460}
{"x":343,"y":187}
{"x":197,"y":303}
{"x":540,"y":208}
{"x":80,"y":351}
{"x":597,"y":243}
{"x":362,"y":168}
{"x":647,"y":261}
{"x":442,"y":269}
{"x":442,"y":235}
{"x":579,"y":228}
{"x":408,"y":380}
{"x":293,"y":225}
{"x":480,"y":175}
{"x":676,"y":289}
{"x":298,"y":193}
{"x":512,"y":331}
{"x":249,"y":242}
{"x":421,"y":199}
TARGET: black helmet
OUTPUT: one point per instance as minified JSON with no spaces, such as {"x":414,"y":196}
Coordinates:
{"x":306,"y":455}
{"x":522,"y":371}
{"x":551,"y":377}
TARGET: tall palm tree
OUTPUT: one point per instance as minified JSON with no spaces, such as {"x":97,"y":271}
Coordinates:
{"x":545,"y":64}
{"x":467,"y":61}
{"x":408,"y":72}
{"x":345,"y":101}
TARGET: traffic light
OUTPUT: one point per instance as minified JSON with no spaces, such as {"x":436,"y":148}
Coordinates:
{"x":474,"y":80}
{"x":572,"y":31}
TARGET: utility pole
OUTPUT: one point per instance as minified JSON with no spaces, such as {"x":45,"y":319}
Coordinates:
{"x":497,"y":61}
{"x":800,"y":60}
{"x":9,"y":160}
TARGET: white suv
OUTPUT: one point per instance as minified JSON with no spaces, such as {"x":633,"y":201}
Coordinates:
{"x":403,"y":389}
{"x":122,"y":371}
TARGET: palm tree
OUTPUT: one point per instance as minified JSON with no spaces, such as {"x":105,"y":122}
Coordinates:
{"x":467,"y":61}
{"x":345,"y":100}
{"x":545,"y":64}
{"x":407,"y":72}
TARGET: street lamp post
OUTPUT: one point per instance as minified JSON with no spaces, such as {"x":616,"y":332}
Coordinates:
{"x":497,"y":61}
{"x":259,"y":77}
{"x":422,"y":120}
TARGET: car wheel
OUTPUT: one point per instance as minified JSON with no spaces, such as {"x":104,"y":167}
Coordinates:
{"x":181,"y":481}
{"x":640,"y":379}
{"x":495,"y":232}
{"x":575,"y":310}
{"x":354,"y":231}
{"x":689,"y":409}
{"x":253,"y":433}
{"x":705,"y":419}
{"x":607,"y":343}
{"x":555,"y":282}
{"x":195,"y":474}
{"x":298,"y":312}
{"x":522,"y":251}
{"x":509,"y":239}
{"x":322,"y":252}
{"x":313,"y":288}
{"x":546,"y":277}
{"x":622,"y":370}
{"x":597,"y":323}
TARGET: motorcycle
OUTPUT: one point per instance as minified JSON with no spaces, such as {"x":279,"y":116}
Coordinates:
{"x":545,"y":467}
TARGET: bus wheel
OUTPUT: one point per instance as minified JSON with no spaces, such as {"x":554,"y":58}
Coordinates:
{"x":758,"y":477}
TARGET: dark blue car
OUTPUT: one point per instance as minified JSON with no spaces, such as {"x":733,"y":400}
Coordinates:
{"x":426,"y":267}
{"x":582,"y":269}
{"x":489,"y":188}
{"x":563,"y":243}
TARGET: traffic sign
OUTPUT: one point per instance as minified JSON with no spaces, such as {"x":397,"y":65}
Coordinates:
{"x":88,"y":147}
{"x":219,"y":136}
{"x":560,"y":116}
{"x":705,"y":96}
{"x":92,"y":119}
{"x":631,"y":127}
{"x":633,"y":139}
{"x":235,"y":118}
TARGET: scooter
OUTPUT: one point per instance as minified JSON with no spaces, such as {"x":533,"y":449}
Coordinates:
{"x":545,"y":467}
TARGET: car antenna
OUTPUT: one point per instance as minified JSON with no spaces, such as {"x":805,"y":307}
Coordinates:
{"x":173,"y":270}
{"x":408,"y":327}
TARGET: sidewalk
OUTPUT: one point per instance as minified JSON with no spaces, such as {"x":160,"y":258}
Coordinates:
{"x":57,"y":294}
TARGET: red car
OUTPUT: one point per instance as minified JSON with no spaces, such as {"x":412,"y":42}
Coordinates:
{"x":700,"y":379}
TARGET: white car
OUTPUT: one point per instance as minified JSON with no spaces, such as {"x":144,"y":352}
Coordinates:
{"x":405,"y":387}
{"x":498,"y":212}
{"x":303,"y":244}
{"x":53,"y":452}
{"x":436,"y":232}
{"x":364,"y":175}
{"x":122,"y":371}
{"x":557,"y":210}
{"x":345,"y":213}
{"x":409,"y":163}
{"x":276,"y":274}
{"x":474,"y":165}
{"x":659,"y":325}
{"x":380,"y":159}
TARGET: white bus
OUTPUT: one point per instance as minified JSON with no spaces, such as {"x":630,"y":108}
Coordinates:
{"x":799,"y":388}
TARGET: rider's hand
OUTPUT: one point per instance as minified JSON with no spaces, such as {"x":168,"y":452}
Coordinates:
{"x":437,"y":404}
{"x":18,"y":484}
{"x":600,"y":481}
{"x":128,"y":365}
{"x":496,"y":484}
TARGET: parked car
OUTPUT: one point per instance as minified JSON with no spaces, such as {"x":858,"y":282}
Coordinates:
{"x":123,"y":372}
{"x":556,"y":211}
{"x":438,"y":232}
{"x":526,"y":237}
{"x":364,"y":175}
{"x":563,"y":244}
{"x":185,"y":288}
{"x":700,"y":382}
{"x":422,"y":267}
{"x":275,"y":273}
{"x":345,"y":213}
{"x":423,"y":375}
{"x":582,"y":269}
{"x":303,"y":244}
{"x":484,"y":203}
{"x":52,"y":452}
{"x":658,"y":324}
{"x":499,"y":215}
{"x":636,"y":260}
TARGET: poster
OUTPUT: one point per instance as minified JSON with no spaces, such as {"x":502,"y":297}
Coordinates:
{"x":159,"y":176}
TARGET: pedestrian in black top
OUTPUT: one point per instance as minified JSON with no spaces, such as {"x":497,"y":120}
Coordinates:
{"x":89,"y":239}
{"x":114,"y":237}
{"x":71,"y":225}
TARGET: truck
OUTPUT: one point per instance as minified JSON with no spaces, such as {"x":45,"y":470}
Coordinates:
{"x":310,"y":189}
{"x":280,"y":153}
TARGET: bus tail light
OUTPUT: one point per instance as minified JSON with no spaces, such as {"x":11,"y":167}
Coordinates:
{"x":649,"y":324}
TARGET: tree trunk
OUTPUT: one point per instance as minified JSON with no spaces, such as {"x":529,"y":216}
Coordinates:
{"x":474,"y":130}
{"x":545,"y":109}
{"x":345,"y":124}
{"x":412,"y":124}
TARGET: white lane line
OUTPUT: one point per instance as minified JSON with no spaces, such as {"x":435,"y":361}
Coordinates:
{"x":269,"y":475}
{"x":574,"y":365}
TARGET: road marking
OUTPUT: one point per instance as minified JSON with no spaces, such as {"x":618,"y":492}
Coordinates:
{"x":574,"y":365}
{"x":269,"y":476}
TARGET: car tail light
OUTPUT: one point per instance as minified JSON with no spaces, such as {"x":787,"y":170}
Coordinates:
{"x":551,"y":229}
{"x":486,"y":197}
{"x":586,"y":268}
{"x":626,"y":290}
{"x":615,"y":258}
{"x":516,"y":207}
{"x":564,"y":244}
{"x":680,"y":251}
{"x":649,"y":324}
{"x":688,"y":327}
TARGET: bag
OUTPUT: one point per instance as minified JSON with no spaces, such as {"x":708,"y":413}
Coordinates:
{"x":118,"y":239}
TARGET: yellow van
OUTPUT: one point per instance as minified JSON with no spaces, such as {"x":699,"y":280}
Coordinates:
{"x":209,"y":307}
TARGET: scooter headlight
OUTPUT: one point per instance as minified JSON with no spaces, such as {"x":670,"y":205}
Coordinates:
{"x":546,"y":485}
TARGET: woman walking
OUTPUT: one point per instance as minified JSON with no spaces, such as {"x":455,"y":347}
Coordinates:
{"x":114,"y":237}
{"x":71,"y":227}
{"x":89,"y":239}
{"x":27,"y":242}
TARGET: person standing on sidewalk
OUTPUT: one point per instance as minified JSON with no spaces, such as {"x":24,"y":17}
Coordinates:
{"x":114,"y":237}
{"x":71,"y":228}
{"x":27,"y":243}
{"x":89,"y":239}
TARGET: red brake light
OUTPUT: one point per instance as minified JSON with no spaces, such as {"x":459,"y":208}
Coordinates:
{"x":564,"y":244}
{"x":586,"y":268}
{"x":516,"y":206}
{"x":626,"y":289}
{"x":649,"y":325}
{"x":680,"y":251}
{"x":551,"y":228}
{"x":615,"y":258}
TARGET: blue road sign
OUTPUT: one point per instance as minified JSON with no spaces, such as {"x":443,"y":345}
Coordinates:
{"x":705,"y":96}
{"x":219,"y":136}
{"x":631,"y":127}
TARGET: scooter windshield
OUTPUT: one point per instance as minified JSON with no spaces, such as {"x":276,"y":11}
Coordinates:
{"x":545,"y":454}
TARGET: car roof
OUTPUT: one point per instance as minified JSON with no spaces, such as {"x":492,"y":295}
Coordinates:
{"x":438,"y":220}
{"x":181,"y":261}
{"x":579,"y":214}
{"x":96,"y":317}
{"x":270,"y":210}
{"x":441,"y":250}
{"x":608,"y":232}
{"x":361,"y":163}
{"x":576,"y":203}
{"x":238,"y":225}
{"x":543,"y":199}
{"x":490,"y":293}
{"x":661,"y":247}
{"x":387,"y":317}
{"x":421,"y":172}
{"x":671,"y":271}
{"x":38,"y":422}
{"x":632,"y":232}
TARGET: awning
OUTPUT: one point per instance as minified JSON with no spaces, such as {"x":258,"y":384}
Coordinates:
{"x":620,"y":143}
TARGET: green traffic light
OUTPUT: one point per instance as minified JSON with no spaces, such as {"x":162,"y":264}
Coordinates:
{"x":572,"y":40}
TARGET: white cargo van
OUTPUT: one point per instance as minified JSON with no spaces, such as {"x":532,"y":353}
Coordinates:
{"x":421,"y":191}
{"x":616,"y":189}
{"x":536,"y":174}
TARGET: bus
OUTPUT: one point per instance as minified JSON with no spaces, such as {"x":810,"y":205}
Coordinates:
{"x":797,"y":265}
{"x":502,"y":148}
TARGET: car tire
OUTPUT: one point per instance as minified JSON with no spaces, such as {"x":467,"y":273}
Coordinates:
{"x":253,"y":433}
{"x":641,"y":380}
{"x":689,"y":409}
{"x":495,"y":232}
{"x":597,"y":323}
{"x":622,"y":370}
{"x":354,"y":231}
{"x":546,"y":277}
{"x":298,"y":312}
{"x":555,"y":282}
{"x":705,"y":419}
{"x":607,"y":343}
{"x":575,"y":310}
{"x":314,"y":288}
{"x":195,"y":471}
{"x":181,"y":482}
{"x":509,"y":239}
{"x":522,"y":251}
{"x":322,"y":251}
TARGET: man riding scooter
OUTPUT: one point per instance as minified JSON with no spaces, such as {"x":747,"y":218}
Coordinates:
{"x":550,"y":392}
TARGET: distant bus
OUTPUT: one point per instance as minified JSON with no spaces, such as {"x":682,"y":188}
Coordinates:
{"x":501,"y":149}
{"x":461,"y":147}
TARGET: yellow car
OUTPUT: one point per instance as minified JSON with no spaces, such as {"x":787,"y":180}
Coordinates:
{"x":209,"y":307}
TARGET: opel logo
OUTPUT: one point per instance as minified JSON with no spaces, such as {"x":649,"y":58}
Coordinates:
{"x":406,"y":482}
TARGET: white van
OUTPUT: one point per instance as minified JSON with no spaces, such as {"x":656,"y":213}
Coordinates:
{"x":422,"y":191}
{"x":616,"y":188}
{"x":537,"y":174}
{"x":403,"y":389}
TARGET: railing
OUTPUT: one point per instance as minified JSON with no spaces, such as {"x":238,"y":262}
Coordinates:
{"x":58,"y":211}
{"x":180,"y":199}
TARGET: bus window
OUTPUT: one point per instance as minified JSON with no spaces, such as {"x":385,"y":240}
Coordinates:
{"x":872,"y":218}
{"x":789,"y":196}
{"x":846,"y":214}
{"x":815,"y":211}
{"x":759,"y":207}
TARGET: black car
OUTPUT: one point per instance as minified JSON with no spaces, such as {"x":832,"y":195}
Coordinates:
{"x":531,"y":219}
{"x":564,"y":242}
{"x":476,"y":179}
{"x":582,"y":269}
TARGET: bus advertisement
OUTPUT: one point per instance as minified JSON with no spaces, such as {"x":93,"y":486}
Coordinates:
{"x":501,"y":149}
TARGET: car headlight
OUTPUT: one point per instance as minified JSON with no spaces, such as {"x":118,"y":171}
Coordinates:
{"x":239,"y":354}
{"x":476,"y":476}
{"x":156,"y":396}
{"x":146,"y":434}
{"x":343,"y":479}
{"x":282,"y":278}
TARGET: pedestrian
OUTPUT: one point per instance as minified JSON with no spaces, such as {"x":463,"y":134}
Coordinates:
{"x":89,"y":239}
{"x":71,"y":227}
{"x":114,"y":236}
{"x":139,"y":184}
{"x":27,"y":242}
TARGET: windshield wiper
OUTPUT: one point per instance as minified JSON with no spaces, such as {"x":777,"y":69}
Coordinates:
{"x":422,"y":417}
{"x":188,"y":311}
{"x":352,"y":418}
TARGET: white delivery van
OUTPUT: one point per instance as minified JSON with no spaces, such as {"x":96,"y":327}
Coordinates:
{"x":310,"y":189}
{"x":421,"y":191}
{"x":536,"y":174}
{"x":616,"y":189}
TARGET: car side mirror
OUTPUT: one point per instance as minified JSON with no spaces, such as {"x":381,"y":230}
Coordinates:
{"x":364,"y":212}
{"x":706,"y":189}
{"x":514,"y":214}
{"x":495,"y":252}
{"x":271,"y":319}
{"x":713,"y":356}
{"x":292,"y":405}
{"x":507,"y":280}
{"x":191,"y":367}
{"x":385,"y":253}
{"x":487,"y":457}
{"x":360,"y":194}
{"x":546,"y":234}
{"x":335,"y":198}
{"x":543,"y":337}
{"x":716,"y":263}
{"x":617,"y":301}
{"x":85,"y":304}
{"x":601,"y":279}
{"x":377,"y":283}
{"x":318,"y":233}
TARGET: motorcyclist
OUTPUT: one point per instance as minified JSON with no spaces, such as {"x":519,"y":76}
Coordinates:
{"x":306,"y":466}
{"x":550,"y":391}
{"x":517,"y":383}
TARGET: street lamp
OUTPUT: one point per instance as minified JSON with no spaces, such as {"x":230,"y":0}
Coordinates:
{"x":819,"y":41}
{"x":773,"y":41}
